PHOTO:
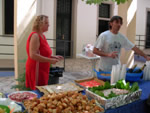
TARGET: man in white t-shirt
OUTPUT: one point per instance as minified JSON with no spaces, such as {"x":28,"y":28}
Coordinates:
{"x":109,"y":44}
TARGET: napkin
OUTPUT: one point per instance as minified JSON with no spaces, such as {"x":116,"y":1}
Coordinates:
{"x":118,"y":72}
{"x":146,"y":72}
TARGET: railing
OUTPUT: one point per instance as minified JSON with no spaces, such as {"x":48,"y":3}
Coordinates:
{"x":56,"y":40}
{"x":1,"y":53}
{"x":143,"y":41}
{"x":2,"y":45}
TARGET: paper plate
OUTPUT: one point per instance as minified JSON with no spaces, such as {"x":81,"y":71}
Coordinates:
{"x":11,"y":104}
{"x":20,"y":96}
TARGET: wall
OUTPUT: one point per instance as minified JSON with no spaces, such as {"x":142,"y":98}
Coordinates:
{"x":128,"y":28}
{"x":47,"y":7}
{"x":142,"y":7}
{"x":86,"y":25}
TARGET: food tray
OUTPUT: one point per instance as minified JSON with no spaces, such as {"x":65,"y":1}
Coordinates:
{"x":12,"y":105}
{"x":115,"y":101}
{"x":57,"y":88}
{"x":88,"y":79}
{"x":19,"y":96}
{"x":4,"y":109}
{"x":30,"y":104}
{"x":132,"y":77}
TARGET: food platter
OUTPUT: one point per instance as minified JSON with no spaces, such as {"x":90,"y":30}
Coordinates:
{"x":4,"y":109}
{"x":89,"y":82}
{"x":20,"y":96}
{"x":11,"y":104}
{"x":63,"y":102}
{"x":57,"y":88}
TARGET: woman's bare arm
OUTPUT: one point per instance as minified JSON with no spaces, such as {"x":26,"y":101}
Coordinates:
{"x":34,"y":50}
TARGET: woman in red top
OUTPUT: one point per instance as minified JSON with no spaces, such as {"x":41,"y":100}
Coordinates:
{"x":39,"y":54}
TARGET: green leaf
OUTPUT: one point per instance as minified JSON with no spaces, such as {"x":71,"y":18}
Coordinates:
{"x":22,"y":61}
{"x":107,"y":85}
{"x":100,"y":1}
{"x":123,"y":1}
{"x":112,"y":94}
{"x":134,"y":87}
{"x":127,"y":86}
{"x":118,"y":2}
{"x":99,"y":93}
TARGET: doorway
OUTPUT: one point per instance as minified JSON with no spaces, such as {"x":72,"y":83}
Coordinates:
{"x":63,"y":27}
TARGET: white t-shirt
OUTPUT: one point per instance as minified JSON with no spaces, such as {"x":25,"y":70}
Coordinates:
{"x":109,"y":42}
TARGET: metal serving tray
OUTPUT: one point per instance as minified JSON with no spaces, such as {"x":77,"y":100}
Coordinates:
{"x":115,"y":101}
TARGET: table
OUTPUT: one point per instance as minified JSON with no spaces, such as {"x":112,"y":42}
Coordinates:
{"x":138,"y":106}
{"x":93,"y":61}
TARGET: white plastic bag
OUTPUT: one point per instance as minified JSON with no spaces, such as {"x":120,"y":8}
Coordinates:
{"x":88,"y":50}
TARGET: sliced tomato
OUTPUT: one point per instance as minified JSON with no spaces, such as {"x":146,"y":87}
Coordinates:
{"x":91,"y":83}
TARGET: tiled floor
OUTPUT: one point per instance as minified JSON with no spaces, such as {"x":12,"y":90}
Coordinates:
{"x":75,"y":69}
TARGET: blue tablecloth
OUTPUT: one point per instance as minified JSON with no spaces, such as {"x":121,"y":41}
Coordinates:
{"x":138,"y":106}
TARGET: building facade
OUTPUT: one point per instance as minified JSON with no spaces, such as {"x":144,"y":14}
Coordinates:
{"x":73,"y":21}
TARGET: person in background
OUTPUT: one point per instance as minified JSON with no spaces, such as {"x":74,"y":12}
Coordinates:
{"x":109,"y":44}
{"x":39,"y":54}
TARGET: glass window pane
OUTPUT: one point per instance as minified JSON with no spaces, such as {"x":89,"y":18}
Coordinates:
{"x":104,"y":10}
{"x":9,"y":16}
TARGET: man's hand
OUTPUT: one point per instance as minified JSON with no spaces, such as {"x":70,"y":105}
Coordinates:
{"x":114,"y":54}
{"x":141,"y":53}
{"x":147,"y":58}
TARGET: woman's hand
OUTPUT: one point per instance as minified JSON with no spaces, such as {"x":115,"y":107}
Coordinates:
{"x":53,"y":60}
{"x":58,"y":57}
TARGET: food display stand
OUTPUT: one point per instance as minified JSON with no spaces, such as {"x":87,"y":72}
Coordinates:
{"x":138,"y":106}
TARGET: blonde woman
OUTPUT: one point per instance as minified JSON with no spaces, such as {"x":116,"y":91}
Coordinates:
{"x":39,"y":54}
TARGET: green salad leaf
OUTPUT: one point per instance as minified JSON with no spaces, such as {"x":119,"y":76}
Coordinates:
{"x":134,"y":87}
{"x":121,"y":84}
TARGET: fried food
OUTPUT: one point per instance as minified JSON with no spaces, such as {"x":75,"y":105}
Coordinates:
{"x":66,"y":102}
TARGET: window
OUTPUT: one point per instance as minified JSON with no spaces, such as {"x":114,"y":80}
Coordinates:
{"x":8,"y":16}
{"x":104,"y":10}
{"x":104,"y":17}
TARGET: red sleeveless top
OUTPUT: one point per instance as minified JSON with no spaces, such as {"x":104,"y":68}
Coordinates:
{"x":37,"y":73}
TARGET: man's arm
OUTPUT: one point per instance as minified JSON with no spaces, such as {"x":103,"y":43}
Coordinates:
{"x":102,"y":53}
{"x":141,"y":53}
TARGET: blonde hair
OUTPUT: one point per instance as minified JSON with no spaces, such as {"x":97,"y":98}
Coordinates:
{"x":38,"y":22}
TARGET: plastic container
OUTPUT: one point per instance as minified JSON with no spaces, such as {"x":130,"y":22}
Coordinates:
{"x":131,"y":77}
{"x":53,"y":80}
{"x":100,"y":76}
{"x":54,"y":74}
